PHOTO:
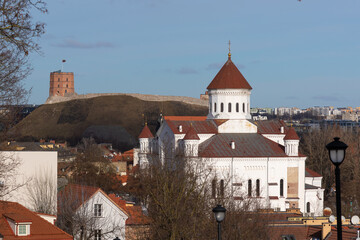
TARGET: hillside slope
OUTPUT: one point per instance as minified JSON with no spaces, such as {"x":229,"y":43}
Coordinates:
{"x":117,"y":119}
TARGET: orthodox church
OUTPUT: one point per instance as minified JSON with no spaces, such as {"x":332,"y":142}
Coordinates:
{"x":261,"y":158}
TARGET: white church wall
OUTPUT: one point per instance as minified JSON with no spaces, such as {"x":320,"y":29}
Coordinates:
{"x":278,"y":138}
{"x":237,"y":126}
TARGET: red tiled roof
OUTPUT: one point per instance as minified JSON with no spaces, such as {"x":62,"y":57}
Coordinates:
{"x":39,"y":228}
{"x":136,"y":215}
{"x":200,"y":125}
{"x":77,"y":195}
{"x":273,"y":197}
{"x":270,"y":127}
{"x":291,"y":135}
{"x":191,"y":134}
{"x":146,"y":133}
{"x":311,"y":173}
{"x":185,"y":118}
{"x":229,"y":76}
{"x":246,"y":145}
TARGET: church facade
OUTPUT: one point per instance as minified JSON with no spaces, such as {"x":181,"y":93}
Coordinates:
{"x":259,"y":158}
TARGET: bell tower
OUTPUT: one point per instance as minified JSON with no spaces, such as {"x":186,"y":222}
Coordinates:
{"x":61,"y":83}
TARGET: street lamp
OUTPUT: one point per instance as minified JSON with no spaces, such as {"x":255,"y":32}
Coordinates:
{"x":337,"y":155}
{"x":219,"y":213}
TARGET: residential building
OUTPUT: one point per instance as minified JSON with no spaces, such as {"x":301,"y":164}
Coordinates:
{"x":89,"y":212}
{"x":18,"y":222}
{"x":260,"y":159}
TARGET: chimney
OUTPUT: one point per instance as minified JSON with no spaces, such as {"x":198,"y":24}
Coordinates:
{"x":282,"y":129}
{"x":180,"y":128}
{"x":232,"y":145}
{"x":326,"y":230}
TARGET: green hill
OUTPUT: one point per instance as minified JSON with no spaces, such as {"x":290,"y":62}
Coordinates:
{"x":116,"y":119}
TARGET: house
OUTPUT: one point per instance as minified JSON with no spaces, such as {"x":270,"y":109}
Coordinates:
{"x":259,"y":159}
{"x":18,"y":222}
{"x":88,"y":212}
{"x":27,"y":170}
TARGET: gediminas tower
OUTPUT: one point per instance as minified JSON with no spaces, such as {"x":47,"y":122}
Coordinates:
{"x":61,"y":83}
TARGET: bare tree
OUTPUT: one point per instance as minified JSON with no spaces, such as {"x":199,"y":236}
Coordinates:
{"x":43,"y":193}
{"x":179,"y":196}
{"x":8,"y":172}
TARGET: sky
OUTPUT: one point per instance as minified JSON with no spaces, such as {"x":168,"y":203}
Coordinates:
{"x":293,"y":53}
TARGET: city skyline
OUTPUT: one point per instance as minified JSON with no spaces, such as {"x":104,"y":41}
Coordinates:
{"x":293,"y":54}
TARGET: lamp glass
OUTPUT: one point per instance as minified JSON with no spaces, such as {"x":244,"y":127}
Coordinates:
{"x":219,"y":216}
{"x":337,"y":155}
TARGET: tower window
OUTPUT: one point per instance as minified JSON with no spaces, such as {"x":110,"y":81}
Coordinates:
{"x":214,"y":107}
{"x":58,"y":85}
{"x":213,"y":188}
{"x":65,"y":91}
{"x":58,"y":79}
{"x":258,"y":187}
{"x":308,"y":207}
{"x":67,"y":79}
{"x":229,"y":107}
{"x":67,"y":85}
{"x":243,"y":107}
{"x":222,"y":188}
{"x":237,"y":107}
{"x":249,"y":188}
{"x":222,"y":107}
{"x":281,"y":188}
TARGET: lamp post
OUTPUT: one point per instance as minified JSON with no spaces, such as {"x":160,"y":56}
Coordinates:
{"x":219,"y":213}
{"x":337,"y":155}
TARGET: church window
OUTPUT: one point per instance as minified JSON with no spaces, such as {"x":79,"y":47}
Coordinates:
{"x":249,"y":188}
{"x":229,"y":107}
{"x":308,"y":207}
{"x":222,"y":107}
{"x":222,"y":188}
{"x":243,"y":107}
{"x":213,"y":188}
{"x":237,"y":107}
{"x":281,"y":188}
{"x":214,"y":107}
{"x":258,"y":187}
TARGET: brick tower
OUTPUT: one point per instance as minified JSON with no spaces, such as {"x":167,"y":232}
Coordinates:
{"x":61,"y":83}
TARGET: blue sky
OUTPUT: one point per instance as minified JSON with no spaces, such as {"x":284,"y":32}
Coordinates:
{"x":292,"y":53}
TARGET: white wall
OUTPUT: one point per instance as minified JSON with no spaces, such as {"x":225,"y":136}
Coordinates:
{"x":32,"y":167}
{"x":112,"y":220}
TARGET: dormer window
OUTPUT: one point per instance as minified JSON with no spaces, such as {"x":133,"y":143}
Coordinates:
{"x":23,"y":229}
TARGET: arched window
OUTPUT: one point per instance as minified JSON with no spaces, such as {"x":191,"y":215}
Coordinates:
{"x":229,"y":107}
{"x":213,"y":188}
{"x":308,"y":207}
{"x":237,"y":107}
{"x":249,"y":188}
{"x":243,"y":107}
{"x":281,"y":188}
{"x":222,"y":188}
{"x":214,"y":107}
{"x":222,"y":107}
{"x":258,"y":187}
